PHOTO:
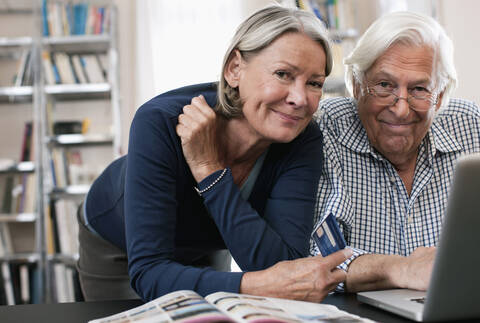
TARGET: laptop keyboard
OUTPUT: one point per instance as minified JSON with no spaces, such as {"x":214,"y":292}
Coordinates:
{"x":420,"y":300}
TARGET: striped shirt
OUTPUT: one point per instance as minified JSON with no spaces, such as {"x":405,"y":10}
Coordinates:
{"x":367,"y":196}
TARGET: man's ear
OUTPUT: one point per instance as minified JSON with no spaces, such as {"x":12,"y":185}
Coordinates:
{"x":233,"y":68}
{"x":439,"y":101}
{"x":357,"y":91}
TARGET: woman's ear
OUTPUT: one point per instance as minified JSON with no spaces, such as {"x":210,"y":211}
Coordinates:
{"x":233,"y":68}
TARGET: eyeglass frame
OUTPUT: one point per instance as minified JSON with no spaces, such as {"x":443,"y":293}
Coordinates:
{"x":408,"y":98}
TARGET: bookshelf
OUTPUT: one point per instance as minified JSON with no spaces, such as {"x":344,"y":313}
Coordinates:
{"x":20,"y":254}
{"x":84,"y":93}
{"x":76,"y":133}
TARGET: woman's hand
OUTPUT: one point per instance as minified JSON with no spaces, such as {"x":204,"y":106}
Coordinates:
{"x":196,"y":128}
{"x":307,"y":279}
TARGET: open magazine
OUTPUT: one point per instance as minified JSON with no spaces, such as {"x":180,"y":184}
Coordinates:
{"x":189,"y":307}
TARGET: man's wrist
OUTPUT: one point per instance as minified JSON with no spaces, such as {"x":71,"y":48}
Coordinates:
{"x":396,"y":268}
{"x":376,"y":271}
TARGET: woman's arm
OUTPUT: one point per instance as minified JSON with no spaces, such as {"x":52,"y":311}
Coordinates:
{"x":153,"y":170}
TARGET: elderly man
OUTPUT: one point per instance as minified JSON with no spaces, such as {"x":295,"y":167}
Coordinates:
{"x":390,"y":151}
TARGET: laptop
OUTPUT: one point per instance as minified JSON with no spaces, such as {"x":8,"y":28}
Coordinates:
{"x":454,"y":290}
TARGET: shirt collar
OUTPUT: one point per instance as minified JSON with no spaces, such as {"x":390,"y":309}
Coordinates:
{"x":354,"y":136}
{"x":442,"y":140}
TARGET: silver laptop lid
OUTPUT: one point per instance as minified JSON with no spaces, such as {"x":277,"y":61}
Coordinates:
{"x":455,"y":284}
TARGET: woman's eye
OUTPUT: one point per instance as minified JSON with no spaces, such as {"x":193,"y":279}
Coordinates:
{"x":317,"y":85}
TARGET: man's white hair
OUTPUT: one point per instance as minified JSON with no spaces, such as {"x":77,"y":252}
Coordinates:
{"x":408,"y":28}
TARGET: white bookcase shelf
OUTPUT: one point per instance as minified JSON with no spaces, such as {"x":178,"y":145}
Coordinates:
{"x":24,"y":47}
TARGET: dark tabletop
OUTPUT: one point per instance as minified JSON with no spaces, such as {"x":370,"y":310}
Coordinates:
{"x":82,"y":312}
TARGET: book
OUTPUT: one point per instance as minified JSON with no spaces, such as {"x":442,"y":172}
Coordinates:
{"x":79,"y":69}
{"x":60,"y":168}
{"x":24,"y":275}
{"x":48,"y":68}
{"x":25,"y":154}
{"x":60,"y":283}
{"x":7,"y":194}
{"x":64,"y":67}
{"x":22,"y":66}
{"x":7,"y":283}
{"x":46,"y":31}
{"x":93,"y":69}
{"x":189,"y":307}
{"x":67,"y":226}
{"x":3,"y":293}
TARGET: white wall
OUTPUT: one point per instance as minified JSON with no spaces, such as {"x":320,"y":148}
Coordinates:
{"x":126,"y":54}
{"x":462,"y":23}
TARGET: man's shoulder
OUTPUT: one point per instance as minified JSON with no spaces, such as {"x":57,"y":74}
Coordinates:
{"x":337,"y":107}
{"x":334,"y":110}
{"x":460,"y":107}
{"x":457,"y":126}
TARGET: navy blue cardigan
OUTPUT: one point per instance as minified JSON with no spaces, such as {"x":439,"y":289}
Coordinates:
{"x":145,"y":203}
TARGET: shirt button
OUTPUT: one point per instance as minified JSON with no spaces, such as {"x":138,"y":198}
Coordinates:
{"x":410,"y":219}
{"x":392,"y":179}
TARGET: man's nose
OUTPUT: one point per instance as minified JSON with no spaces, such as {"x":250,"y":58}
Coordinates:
{"x":401,"y":106}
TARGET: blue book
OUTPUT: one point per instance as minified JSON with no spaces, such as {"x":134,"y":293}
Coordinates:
{"x":55,"y":72}
{"x":77,"y":18}
{"x":45,"y":18}
{"x":83,"y":20}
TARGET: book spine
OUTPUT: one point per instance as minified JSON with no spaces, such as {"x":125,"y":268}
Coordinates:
{"x":46,"y":31}
{"x":7,"y":283}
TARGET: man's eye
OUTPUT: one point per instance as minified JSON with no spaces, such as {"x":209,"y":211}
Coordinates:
{"x":385,"y":85}
{"x":282,"y":74}
{"x":419,"y":89}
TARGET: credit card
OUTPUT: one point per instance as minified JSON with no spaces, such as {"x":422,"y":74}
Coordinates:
{"x":328,"y":236}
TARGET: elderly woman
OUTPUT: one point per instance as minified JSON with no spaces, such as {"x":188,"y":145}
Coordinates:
{"x":211,"y":167}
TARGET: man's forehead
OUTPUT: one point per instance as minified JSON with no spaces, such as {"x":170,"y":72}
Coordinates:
{"x":399,"y":59}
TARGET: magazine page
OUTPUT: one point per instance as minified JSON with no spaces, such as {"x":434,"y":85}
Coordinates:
{"x":255,"y":309}
{"x":180,"y":306}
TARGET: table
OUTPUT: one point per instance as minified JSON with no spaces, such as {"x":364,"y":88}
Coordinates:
{"x":82,"y":312}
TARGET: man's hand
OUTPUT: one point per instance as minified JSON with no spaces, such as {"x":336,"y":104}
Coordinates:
{"x":197,"y":131}
{"x":307,"y":279}
{"x":373,"y":271}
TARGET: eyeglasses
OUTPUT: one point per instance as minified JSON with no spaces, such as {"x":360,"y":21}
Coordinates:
{"x":419,"y":98}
